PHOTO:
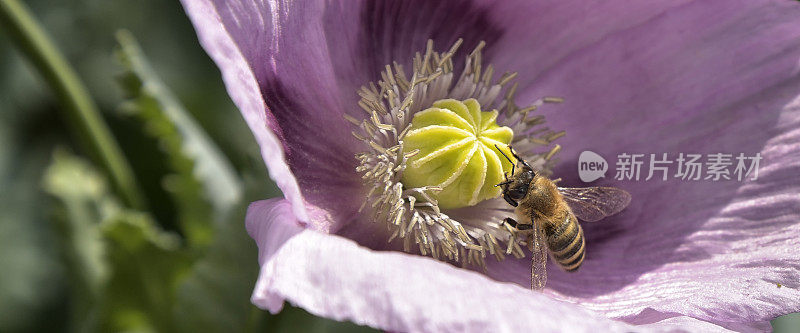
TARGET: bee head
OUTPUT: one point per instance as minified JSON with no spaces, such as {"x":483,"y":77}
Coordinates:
{"x":516,"y":188}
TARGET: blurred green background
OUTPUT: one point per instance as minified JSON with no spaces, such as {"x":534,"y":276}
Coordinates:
{"x":73,"y":257}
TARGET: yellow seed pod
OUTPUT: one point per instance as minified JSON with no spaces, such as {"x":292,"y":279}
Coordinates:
{"x":456,"y":142}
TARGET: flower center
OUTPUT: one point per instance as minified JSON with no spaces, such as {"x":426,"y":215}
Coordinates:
{"x":429,"y":162}
{"x":457,"y":152}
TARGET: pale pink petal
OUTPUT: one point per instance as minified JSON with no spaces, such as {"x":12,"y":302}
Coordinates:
{"x":334,"y":277}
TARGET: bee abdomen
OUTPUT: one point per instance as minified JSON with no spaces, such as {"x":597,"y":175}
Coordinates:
{"x":567,"y":244}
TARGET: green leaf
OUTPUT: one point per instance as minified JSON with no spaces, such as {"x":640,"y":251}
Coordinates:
{"x":124,"y":269}
{"x":84,"y":196}
{"x":147,"y":266}
{"x":84,"y":200}
{"x":205,"y":185}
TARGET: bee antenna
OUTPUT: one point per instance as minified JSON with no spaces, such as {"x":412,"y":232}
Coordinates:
{"x":513,"y":165}
{"x":517,"y":157}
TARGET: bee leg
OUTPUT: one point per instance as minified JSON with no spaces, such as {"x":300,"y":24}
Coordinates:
{"x":525,"y":227}
{"x":511,"y":222}
{"x":516,"y":225}
{"x":510,"y":201}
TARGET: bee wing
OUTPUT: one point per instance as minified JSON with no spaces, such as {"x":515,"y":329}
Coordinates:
{"x":538,"y":259}
{"x":592,"y":204}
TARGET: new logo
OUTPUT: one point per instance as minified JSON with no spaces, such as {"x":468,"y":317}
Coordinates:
{"x":591,"y":166}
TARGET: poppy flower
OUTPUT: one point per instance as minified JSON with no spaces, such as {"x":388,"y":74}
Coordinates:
{"x":665,"y":77}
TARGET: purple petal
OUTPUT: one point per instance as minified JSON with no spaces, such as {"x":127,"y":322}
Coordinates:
{"x":701,"y":77}
{"x":672,"y":73}
{"x":333,"y":277}
{"x":245,"y":93}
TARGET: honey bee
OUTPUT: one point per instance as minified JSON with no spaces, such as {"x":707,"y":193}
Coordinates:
{"x":547,"y":216}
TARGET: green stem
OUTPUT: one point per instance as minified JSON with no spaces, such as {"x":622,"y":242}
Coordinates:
{"x":81,"y":110}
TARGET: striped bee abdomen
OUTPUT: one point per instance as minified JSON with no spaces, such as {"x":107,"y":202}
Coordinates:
{"x":566,"y":243}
